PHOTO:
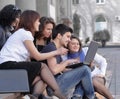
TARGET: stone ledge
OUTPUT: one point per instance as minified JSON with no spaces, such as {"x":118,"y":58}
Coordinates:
{"x":9,"y":96}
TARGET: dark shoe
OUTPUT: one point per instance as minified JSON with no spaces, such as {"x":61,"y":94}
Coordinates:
{"x":44,"y":97}
{"x":76,"y":97}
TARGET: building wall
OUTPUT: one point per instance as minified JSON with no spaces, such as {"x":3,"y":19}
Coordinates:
{"x":42,"y":7}
{"x":63,"y":10}
{"x":89,"y":10}
{"x":4,"y":2}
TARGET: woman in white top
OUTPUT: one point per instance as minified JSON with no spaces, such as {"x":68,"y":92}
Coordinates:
{"x":18,"y":50}
{"x":98,"y":72}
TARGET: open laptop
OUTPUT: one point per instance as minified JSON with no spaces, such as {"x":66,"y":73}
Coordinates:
{"x":15,"y":80}
{"x":92,"y":49}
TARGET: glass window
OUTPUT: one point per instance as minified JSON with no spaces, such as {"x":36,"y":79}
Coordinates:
{"x":97,"y":1}
{"x":100,"y":1}
{"x":51,"y":2}
{"x":76,"y":1}
{"x":100,"y":23}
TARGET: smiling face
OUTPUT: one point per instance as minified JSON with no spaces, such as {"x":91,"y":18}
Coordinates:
{"x":74,"y":45}
{"x":47,"y":30}
{"x":65,"y":39}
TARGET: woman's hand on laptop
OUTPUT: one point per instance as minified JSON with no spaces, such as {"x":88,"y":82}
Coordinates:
{"x":73,"y":61}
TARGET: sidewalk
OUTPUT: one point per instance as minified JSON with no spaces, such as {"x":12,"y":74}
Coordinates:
{"x":112,"y":54}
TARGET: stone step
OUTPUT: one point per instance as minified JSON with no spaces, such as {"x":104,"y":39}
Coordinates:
{"x":9,"y":96}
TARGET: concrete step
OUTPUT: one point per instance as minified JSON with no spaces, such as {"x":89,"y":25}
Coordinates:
{"x":9,"y":96}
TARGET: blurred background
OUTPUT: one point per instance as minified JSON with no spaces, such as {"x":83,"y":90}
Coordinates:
{"x":90,"y":19}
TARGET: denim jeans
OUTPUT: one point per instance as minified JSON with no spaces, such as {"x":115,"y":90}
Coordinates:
{"x":76,"y":78}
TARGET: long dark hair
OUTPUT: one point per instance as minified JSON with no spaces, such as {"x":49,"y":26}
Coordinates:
{"x":43,"y":21}
{"x":8,"y":14}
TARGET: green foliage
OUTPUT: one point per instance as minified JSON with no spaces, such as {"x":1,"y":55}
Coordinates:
{"x":102,"y":35}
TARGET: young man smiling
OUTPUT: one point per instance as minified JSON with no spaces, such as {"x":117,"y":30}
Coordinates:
{"x":68,"y":78}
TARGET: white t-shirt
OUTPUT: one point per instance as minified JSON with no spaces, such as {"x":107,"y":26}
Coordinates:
{"x":14,"y":49}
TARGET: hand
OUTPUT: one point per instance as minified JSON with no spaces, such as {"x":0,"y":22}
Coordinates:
{"x":91,"y":64}
{"x":73,"y":61}
{"x":62,"y":51}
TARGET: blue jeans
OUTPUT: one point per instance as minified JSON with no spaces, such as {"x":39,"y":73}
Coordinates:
{"x":74,"y":78}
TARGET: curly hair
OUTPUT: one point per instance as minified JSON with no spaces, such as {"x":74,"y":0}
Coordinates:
{"x":8,"y":14}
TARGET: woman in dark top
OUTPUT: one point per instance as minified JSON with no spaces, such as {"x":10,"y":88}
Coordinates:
{"x":43,"y":37}
{"x":9,"y":19}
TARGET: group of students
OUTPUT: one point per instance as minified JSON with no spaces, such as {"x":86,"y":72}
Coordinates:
{"x":44,"y":49}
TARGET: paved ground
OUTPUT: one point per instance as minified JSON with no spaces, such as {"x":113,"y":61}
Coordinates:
{"x":112,"y":54}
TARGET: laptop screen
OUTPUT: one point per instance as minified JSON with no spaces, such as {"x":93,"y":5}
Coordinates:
{"x":92,"y":49}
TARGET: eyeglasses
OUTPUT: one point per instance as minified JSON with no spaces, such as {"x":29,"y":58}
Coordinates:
{"x":16,"y":8}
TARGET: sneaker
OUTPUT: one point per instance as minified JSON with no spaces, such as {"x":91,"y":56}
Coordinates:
{"x":29,"y":96}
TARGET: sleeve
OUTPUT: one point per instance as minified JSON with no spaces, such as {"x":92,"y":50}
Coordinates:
{"x":26,"y":35}
{"x":48,"y":48}
{"x":101,"y":61}
{"x":64,"y":57}
{"x":85,"y":49}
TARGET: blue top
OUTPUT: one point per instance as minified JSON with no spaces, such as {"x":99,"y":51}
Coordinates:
{"x":79,"y":54}
{"x":51,"y":47}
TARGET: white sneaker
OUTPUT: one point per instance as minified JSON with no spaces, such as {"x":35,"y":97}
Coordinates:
{"x":29,"y":97}
{"x":26,"y":97}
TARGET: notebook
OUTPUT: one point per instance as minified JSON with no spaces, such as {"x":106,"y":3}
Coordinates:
{"x":92,"y":49}
{"x":13,"y":81}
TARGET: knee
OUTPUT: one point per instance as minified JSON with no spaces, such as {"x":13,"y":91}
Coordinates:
{"x":87,"y":69}
{"x":98,"y":80}
{"x":95,"y":82}
{"x":43,"y":65}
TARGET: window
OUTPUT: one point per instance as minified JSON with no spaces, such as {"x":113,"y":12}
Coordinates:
{"x":100,"y":23}
{"x":76,"y":1}
{"x":100,"y":1}
{"x":97,"y":1}
{"x":51,"y":2}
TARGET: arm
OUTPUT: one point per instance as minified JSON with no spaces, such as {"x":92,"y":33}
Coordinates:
{"x":58,"y":67}
{"x":41,"y":56}
{"x":101,"y":61}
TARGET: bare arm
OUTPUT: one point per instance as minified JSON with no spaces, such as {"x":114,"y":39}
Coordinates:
{"x":42,"y":56}
{"x":57,"y":68}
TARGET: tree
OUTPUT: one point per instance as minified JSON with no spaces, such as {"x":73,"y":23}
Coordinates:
{"x":103,"y":36}
{"x":76,"y":24}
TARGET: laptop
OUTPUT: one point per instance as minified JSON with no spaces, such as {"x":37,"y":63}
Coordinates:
{"x":15,"y":80}
{"x":92,"y":49}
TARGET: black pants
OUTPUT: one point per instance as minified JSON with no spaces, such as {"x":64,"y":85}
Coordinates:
{"x":32,"y":68}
